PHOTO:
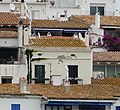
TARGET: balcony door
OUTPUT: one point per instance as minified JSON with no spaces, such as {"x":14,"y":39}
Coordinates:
{"x":73,"y":74}
{"x":40,"y":73}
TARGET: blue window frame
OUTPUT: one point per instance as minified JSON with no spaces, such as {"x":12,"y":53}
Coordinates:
{"x":117,"y":107}
{"x":15,"y":106}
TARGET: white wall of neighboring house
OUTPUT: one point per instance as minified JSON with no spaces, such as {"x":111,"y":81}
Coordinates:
{"x":25,"y":103}
{"x":16,"y":71}
{"x":8,"y":42}
{"x":44,"y":10}
{"x":109,"y":6}
{"x":54,"y":13}
{"x":53,"y":66}
{"x":95,"y":32}
{"x":37,"y":10}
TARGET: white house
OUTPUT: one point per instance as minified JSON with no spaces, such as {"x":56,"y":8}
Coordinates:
{"x":13,"y":36}
{"x":57,"y":58}
{"x":46,"y":97}
{"x":20,"y":98}
{"x":59,"y":9}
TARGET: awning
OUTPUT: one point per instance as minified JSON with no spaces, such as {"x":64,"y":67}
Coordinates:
{"x":62,"y":103}
{"x":78,"y":103}
{"x":47,"y":29}
{"x":74,"y":30}
{"x":62,"y":30}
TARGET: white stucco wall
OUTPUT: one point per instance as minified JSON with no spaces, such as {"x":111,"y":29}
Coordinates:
{"x":12,"y":42}
{"x":45,"y":11}
{"x":16,"y":71}
{"x":83,"y":60}
{"x":25,"y":104}
{"x":109,"y":6}
{"x":56,"y":12}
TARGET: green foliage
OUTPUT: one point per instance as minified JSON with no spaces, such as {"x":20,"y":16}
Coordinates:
{"x":38,"y":59}
{"x":29,"y":54}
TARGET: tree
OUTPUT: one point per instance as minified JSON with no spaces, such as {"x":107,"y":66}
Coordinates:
{"x":29,"y":54}
{"x":112,"y":43}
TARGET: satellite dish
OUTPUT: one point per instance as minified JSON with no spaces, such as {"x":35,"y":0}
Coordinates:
{"x":12,"y":6}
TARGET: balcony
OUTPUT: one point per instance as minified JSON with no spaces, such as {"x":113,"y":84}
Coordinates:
{"x":14,"y":70}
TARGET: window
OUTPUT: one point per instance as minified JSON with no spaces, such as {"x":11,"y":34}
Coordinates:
{"x":6,"y":79}
{"x":40,"y":73}
{"x":5,"y":54}
{"x":73,"y":74}
{"x":95,"y":9}
{"x":68,"y":108}
{"x":58,"y":107}
{"x":15,"y":106}
{"x":117,"y":107}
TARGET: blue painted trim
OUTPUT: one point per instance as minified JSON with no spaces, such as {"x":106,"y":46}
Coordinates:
{"x":78,"y":103}
{"x":62,"y":30}
{"x":70,"y":30}
{"x":15,"y":106}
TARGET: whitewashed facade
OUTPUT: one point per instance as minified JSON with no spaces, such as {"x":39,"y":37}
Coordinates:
{"x":25,"y":102}
{"x":54,"y":9}
{"x":57,"y":59}
{"x":13,"y":64}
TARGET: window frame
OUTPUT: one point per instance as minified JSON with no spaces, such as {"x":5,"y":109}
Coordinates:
{"x":97,"y":8}
{"x":6,"y":79}
{"x":15,"y":106}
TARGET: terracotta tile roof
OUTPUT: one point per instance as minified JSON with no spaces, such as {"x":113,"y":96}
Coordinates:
{"x":57,"y":92}
{"x":8,"y":34}
{"x":106,"y":56}
{"x":83,"y":21}
{"x":104,"y":20}
{"x":107,"y":81}
{"x":57,"y":41}
{"x":8,"y":18}
{"x":57,"y":24}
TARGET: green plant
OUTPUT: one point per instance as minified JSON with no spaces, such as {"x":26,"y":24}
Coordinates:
{"x":29,"y":54}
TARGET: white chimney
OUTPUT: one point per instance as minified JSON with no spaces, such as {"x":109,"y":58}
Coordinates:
{"x":87,"y":38}
{"x":26,"y":36}
{"x":23,"y":85}
{"x":22,"y":9}
{"x":75,"y":35}
{"x":116,"y":13}
{"x":66,"y":85}
{"x":66,"y":81}
{"x":39,"y":35}
{"x":80,"y":37}
{"x":97,"y":20}
{"x":20,"y":33}
{"x":48,"y":34}
{"x":20,"y":26}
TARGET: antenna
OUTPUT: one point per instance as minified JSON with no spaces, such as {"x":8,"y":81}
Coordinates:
{"x":12,"y":7}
